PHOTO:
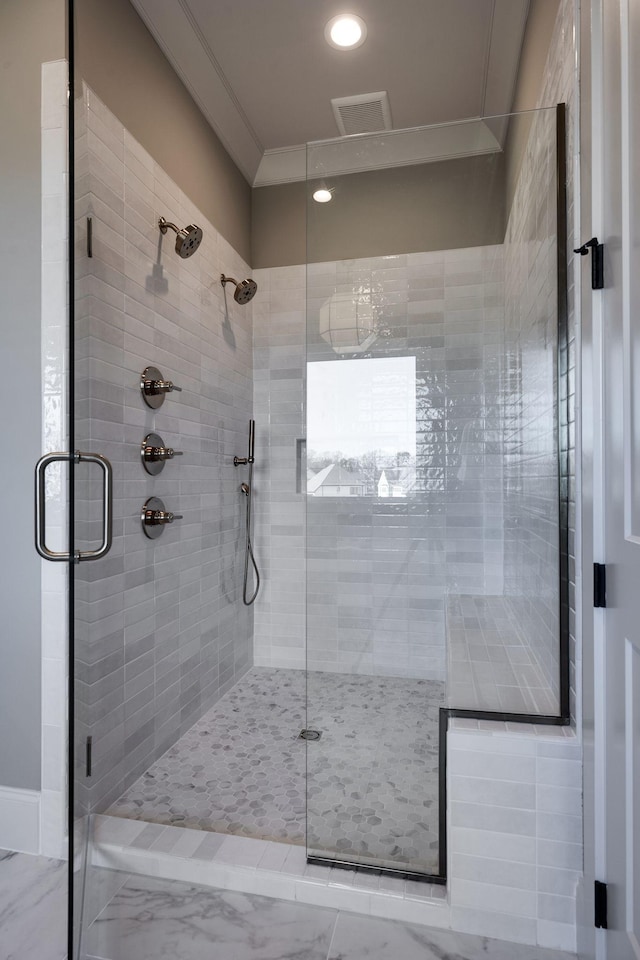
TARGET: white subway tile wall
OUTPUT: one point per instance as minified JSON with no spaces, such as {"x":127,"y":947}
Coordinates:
{"x":378,"y":569}
{"x":531,"y":401}
{"x":279,"y":346}
{"x":161,"y":631}
{"x":515,"y":831}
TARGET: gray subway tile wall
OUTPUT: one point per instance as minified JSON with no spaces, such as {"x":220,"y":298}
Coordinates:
{"x":161,"y":631}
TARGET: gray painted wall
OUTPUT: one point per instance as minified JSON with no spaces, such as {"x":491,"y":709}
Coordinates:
{"x":431,"y":206}
{"x":30,"y":34}
{"x":119,"y":59}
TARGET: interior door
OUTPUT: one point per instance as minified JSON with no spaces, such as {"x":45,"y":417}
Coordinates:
{"x":620,"y":210}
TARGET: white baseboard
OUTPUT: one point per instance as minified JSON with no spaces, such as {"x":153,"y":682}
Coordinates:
{"x":20,"y":820}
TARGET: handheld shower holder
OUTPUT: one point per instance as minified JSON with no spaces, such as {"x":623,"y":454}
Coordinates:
{"x":249,"y":459}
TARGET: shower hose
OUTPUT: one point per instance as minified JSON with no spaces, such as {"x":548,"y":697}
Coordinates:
{"x":248,"y":553}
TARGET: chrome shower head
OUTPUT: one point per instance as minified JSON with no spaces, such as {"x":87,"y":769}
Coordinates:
{"x":187,"y":240}
{"x":245,"y":289}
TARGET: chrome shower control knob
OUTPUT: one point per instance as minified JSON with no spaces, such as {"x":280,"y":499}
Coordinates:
{"x":154,"y":454}
{"x":155,"y":517}
{"x":154,"y":387}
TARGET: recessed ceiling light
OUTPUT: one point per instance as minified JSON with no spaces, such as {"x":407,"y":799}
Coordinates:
{"x":322,"y":195}
{"x":346,"y":32}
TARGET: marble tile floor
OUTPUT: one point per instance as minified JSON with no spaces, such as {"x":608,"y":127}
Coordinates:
{"x":371,"y":780}
{"x":261,"y":867}
{"x":151,"y":919}
{"x":489,"y":664}
{"x":33,"y":907}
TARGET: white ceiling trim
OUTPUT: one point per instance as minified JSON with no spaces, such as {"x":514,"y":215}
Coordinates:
{"x":282,"y":166}
{"x":503,"y":59}
{"x":509,"y":18}
{"x":397,"y":148}
{"x":178,"y":35}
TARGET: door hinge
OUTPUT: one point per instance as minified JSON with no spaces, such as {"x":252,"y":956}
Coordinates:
{"x":600,"y":904}
{"x":599,"y":585}
{"x":597,"y":261}
{"x":88,"y":757}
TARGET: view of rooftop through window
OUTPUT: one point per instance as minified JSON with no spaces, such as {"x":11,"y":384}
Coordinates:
{"x":361,"y":427}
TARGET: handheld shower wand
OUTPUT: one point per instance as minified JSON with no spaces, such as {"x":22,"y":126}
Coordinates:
{"x":238,"y":461}
{"x":247,"y":490}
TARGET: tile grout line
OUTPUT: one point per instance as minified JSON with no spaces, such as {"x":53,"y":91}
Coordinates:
{"x":333,"y":934}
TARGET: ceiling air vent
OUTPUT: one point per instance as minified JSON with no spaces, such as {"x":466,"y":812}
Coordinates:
{"x":366,"y":113}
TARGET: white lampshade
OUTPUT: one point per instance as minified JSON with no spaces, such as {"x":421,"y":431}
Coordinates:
{"x":348,"y":322}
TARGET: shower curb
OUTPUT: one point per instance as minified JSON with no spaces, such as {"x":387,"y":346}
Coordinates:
{"x":262,"y":867}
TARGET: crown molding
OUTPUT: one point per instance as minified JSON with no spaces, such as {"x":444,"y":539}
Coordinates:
{"x":379,"y":151}
{"x":178,"y":35}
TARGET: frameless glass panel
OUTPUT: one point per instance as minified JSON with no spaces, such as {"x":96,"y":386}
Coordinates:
{"x":432,"y":465}
{"x":34,"y":163}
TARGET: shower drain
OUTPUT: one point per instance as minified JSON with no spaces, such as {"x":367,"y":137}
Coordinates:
{"x":309,"y":735}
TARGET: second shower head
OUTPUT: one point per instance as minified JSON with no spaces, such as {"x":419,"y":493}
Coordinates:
{"x":187,"y":240}
{"x":245,"y":289}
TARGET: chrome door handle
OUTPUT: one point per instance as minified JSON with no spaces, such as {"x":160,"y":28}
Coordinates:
{"x":107,"y":507}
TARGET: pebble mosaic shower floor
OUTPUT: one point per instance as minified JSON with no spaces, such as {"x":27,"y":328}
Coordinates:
{"x":371,"y":779}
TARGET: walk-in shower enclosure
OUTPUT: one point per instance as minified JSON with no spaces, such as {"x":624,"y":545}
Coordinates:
{"x":407,"y":385}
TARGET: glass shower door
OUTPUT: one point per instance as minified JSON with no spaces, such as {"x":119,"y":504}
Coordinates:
{"x":375,"y":675}
{"x":162,"y":390}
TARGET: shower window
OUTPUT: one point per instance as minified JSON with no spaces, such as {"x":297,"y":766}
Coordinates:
{"x":361,"y":427}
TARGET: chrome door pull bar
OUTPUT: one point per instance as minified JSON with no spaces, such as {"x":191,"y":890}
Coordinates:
{"x":107,"y":507}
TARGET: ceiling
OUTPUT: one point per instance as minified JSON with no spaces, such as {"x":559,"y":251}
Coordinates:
{"x":264,"y":76}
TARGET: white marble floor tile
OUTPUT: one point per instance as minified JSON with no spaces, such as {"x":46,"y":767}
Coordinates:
{"x":152,"y":919}
{"x":33,"y":907}
{"x":167,"y":920}
{"x":367,"y":938}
